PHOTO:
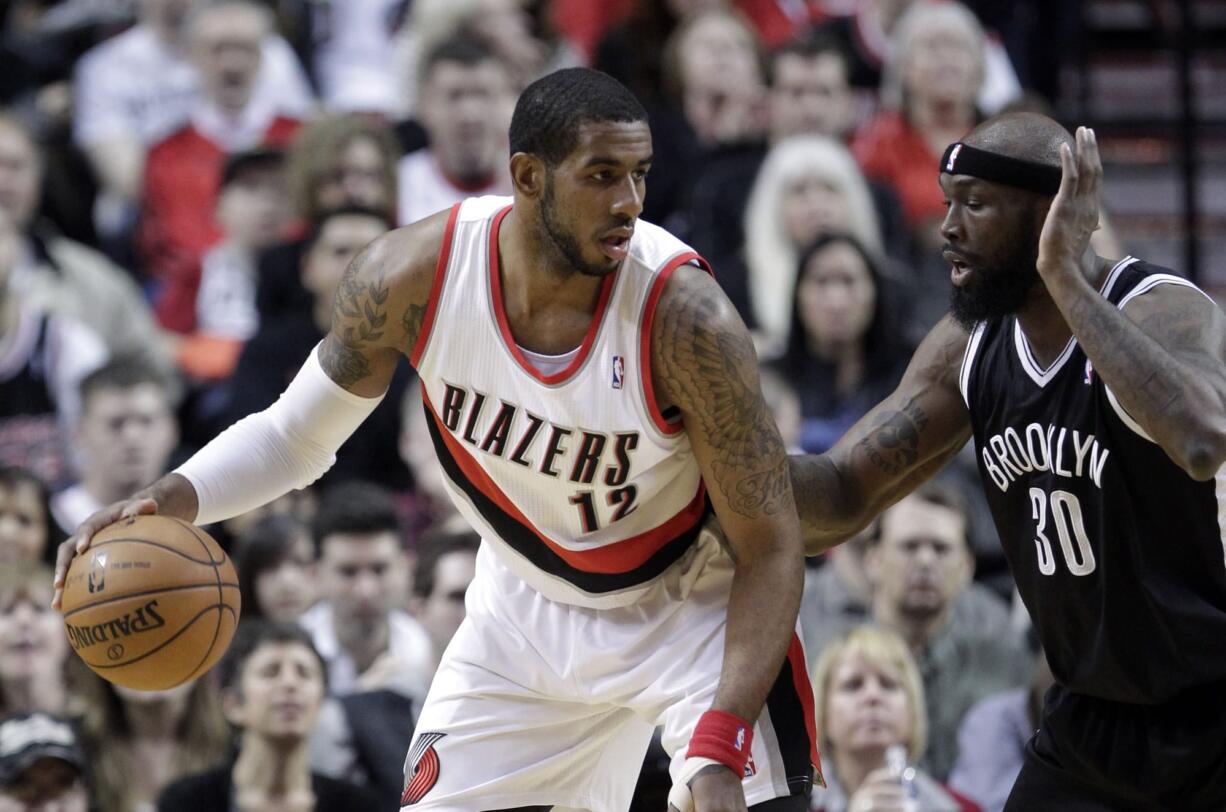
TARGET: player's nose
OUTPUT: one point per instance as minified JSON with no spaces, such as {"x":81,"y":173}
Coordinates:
{"x":628,"y":204}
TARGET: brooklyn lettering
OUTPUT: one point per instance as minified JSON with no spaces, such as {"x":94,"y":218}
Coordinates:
{"x":142,"y":620}
{"x":507,"y":430}
{"x":1065,"y":452}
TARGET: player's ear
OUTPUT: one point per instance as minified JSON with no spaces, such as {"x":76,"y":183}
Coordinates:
{"x":528,"y":174}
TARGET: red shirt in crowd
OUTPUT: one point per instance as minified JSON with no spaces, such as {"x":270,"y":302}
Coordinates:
{"x":892,"y":152}
{"x":178,"y":224}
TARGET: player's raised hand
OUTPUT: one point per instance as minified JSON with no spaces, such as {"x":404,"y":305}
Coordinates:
{"x":79,"y":541}
{"x":1073,"y":215}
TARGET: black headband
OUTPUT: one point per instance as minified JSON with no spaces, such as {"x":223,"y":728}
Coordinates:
{"x":962,"y":159}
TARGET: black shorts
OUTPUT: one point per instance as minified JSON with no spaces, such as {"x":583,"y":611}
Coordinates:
{"x":1093,"y":755}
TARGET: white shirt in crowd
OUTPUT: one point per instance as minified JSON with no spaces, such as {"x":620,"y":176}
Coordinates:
{"x":225,"y":303}
{"x":353,"y":48}
{"x":408,"y":642}
{"x":134,"y":85}
{"x":424,"y":189}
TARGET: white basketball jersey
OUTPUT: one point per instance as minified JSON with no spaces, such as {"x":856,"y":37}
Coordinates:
{"x":575,"y":479}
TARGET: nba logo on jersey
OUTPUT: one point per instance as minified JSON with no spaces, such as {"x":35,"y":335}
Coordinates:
{"x":619,"y":371}
{"x":1089,"y":373}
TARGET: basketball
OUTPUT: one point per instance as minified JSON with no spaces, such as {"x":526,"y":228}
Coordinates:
{"x":151,"y":604}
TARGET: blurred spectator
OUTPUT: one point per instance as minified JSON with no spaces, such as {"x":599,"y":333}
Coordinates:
{"x":139,"y":87}
{"x":993,"y":738}
{"x":125,"y":437}
{"x":336,"y":161}
{"x":27,"y":532}
{"x":868,"y":35}
{"x":215,"y":306}
{"x":464,"y":90}
{"x":348,"y":46}
{"x":42,"y":766}
{"x":33,"y":647}
{"x":297,"y":505}
{"x":838,"y":594}
{"x":274,"y":355}
{"x":43,"y":357}
{"x":809,"y":89}
{"x":272,"y":682}
{"x":367,"y":641}
{"x":276,"y":569}
{"x":631,"y":52}
{"x":63,"y":277}
{"x":868,"y":698}
{"x":504,"y":26}
{"x":429,"y":503}
{"x":808,"y":186}
{"x":847,"y":349}
{"x":918,"y":564}
{"x":934,"y":73}
{"x":713,"y":110}
{"x":183,"y":172}
{"x":446,"y":564}
{"x":713,"y":68}
{"x":140,"y":741}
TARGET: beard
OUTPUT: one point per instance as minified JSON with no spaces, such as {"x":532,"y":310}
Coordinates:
{"x":563,"y":241}
{"x":1000,"y":291}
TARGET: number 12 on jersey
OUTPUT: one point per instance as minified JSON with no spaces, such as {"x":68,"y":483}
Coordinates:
{"x":621,"y":500}
{"x":1070,"y":529}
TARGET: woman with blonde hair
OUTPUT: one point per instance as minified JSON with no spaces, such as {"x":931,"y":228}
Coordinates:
{"x":140,"y":741}
{"x":808,"y":186}
{"x":869,"y":701}
{"x":932,"y":77}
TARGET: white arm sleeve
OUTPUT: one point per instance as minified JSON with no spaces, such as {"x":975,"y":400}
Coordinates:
{"x":287,"y":446}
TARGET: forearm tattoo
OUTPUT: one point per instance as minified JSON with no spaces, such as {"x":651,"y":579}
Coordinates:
{"x":359,"y":314}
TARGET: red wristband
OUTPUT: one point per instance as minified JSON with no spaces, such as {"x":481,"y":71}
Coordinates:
{"x":723,"y":737}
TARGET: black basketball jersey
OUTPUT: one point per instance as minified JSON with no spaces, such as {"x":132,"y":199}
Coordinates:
{"x":1117,"y":553}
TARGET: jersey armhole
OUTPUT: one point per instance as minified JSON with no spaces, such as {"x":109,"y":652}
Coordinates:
{"x":436,"y":287}
{"x":664,"y":424}
{"x":968,"y":361}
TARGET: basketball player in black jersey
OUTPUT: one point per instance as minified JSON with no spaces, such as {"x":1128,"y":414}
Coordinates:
{"x":1095,"y":391}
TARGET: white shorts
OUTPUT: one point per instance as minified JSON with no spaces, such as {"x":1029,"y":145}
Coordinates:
{"x":543,"y":703}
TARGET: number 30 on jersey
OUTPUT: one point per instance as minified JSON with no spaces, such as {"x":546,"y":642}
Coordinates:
{"x":1070,"y":530}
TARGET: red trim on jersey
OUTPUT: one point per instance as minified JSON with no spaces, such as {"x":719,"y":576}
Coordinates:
{"x":649,"y":314}
{"x":617,"y":557}
{"x":804,"y":690}
{"x":504,"y":326}
{"x":436,"y":287}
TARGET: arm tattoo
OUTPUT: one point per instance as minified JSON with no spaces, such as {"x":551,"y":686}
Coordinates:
{"x":358,"y":317}
{"x":893,"y":444}
{"x":716,"y":372}
{"x":414,"y":317}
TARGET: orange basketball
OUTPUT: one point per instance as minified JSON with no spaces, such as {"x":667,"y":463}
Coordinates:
{"x":151,"y":604}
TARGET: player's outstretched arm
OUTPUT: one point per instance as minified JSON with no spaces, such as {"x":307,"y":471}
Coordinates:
{"x":377,"y":315}
{"x":902,"y":442}
{"x":703,"y":362}
{"x":1164,"y":355}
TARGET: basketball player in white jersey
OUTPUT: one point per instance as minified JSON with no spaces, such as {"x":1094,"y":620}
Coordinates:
{"x":593,"y":397}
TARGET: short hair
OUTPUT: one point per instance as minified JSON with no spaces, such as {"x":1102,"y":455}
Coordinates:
{"x":263,"y":546}
{"x":124,"y":372}
{"x":882,"y":649}
{"x":810,"y":46}
{"x":942,"y":494}
{"x":324,"y":216}
{"x":354,"y":507}
{"x":250,"y":636}
{"x":433,"y":547}
{"x":461,"y":49}
{"x":551,"y":110}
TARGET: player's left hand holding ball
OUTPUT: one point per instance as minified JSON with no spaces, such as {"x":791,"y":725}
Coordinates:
{"x":78,"y":543}
{"x":1073,"y":215}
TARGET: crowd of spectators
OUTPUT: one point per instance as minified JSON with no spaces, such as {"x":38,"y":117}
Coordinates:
{"x":183,"y":183}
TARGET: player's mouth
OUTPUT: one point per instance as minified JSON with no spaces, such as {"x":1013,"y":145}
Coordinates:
{"x":959,"y":270}
{"x":616,"y":243}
